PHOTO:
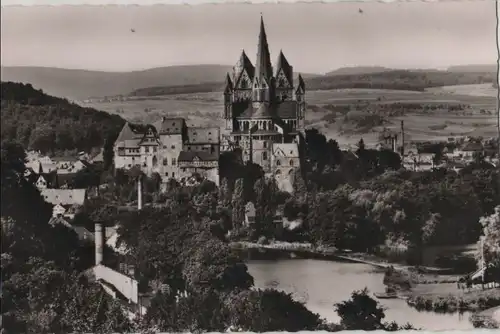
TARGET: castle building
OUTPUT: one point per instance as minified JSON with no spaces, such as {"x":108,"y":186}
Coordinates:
{"x":170,"y":148}
{"x":264,"y":109}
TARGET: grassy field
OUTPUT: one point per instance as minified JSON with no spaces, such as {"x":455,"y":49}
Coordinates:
{"x":347,"y":114}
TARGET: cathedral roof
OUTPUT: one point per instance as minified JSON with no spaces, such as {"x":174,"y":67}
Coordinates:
{"x":263,"y":67}
{"x":229,"y":84}
{"x":282,"y":63}
{"x":285,"y":109}
{"x":301,"y":87}
{"x":243,"y":64}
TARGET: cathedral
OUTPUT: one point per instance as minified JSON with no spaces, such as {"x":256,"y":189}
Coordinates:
{"x":264,"y":111}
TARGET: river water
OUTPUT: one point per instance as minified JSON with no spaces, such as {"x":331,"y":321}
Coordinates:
{"x":320,"y":284}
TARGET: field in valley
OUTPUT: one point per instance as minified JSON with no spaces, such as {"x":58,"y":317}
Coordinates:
{"x":346,"y":114}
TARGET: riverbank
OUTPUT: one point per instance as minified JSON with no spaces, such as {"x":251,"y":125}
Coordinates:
{"x":457,"y":301}
{"x":489,"y":318}
{"x":417,"y":275}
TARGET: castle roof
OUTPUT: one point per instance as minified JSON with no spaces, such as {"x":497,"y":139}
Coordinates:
{"x":130,"y":132}
{"x":169,"y":126}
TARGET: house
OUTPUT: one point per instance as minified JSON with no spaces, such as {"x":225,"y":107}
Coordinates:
{"x":285,"y":161}
{"x":65,"y":201}
{"x":470,"y":148}
{"x":249,"y":213}
{"x":204,"y":163}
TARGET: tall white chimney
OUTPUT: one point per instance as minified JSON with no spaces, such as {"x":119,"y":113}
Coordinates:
{"x":139,"y":193}
{"x":99,"y":241}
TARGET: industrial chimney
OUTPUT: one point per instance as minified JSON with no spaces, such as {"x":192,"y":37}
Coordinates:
{"x":99,"y":241}
{"x":402,"y":138}
{"x":139,"y":193}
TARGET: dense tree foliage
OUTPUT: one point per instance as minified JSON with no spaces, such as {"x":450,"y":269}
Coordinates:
{"x":42,"y":288}
{"x":49,"y":124}
{"x":362,"y":312}
{"x":491,"y":240}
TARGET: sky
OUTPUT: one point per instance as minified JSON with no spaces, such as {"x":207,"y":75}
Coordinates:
{"x":315,"y":38}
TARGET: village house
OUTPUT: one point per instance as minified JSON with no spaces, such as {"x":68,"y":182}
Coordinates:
{"x":66,"y":202}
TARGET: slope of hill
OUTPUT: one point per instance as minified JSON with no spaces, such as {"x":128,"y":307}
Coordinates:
{"x":82,"y":84}
{"x":473,"y":68}
{"x":358,"y":70}
{"x":42,"y":122}
{"x":416,"y":80}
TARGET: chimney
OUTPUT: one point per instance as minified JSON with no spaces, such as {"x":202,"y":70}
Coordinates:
{"x":99,"y":240}
{"x":402,"y":138}
{"x":139,"y":193}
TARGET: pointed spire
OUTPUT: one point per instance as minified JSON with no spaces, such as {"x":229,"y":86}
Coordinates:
{"x":301,"y":87}
{"x":282,"y":63}
{"x":263,"y":68}
{"x":229,"y":84}
{"x":243,"y":64}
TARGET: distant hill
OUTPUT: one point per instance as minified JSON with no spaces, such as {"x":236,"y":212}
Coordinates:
{"x":83,"y":84}
{"x":42,"y":122}
{"x":416,"y":80}
{"x":473,"y":68}
{"x":358,"y":70}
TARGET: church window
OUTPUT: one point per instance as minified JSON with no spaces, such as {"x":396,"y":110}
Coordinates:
{"x":281,"y":82}
{"x":291,"y":162}
{"x":278,"y":163}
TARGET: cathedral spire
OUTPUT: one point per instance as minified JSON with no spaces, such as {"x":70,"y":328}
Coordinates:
{"x":263,"y":68}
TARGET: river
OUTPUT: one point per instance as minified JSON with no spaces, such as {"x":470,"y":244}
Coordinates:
{"x":320,"y":284}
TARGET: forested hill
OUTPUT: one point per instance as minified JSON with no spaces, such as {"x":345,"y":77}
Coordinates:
{"x":416,"y":80}
{"x":50,"y":124}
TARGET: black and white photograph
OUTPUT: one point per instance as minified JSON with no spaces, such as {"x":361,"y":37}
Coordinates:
{"x":250,"y":167}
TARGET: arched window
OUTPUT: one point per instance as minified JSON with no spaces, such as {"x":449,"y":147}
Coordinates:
{"x":278,"y":163}
{"x":291,"y":162}
{"x":278,"y":172}
{"x":155,"y":161}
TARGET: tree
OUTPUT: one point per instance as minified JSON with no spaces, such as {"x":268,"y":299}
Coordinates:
{"x":238,"y":203}
{"x":491,"y":239}
{"x":362,"y":312}
{"x":268,"y":311}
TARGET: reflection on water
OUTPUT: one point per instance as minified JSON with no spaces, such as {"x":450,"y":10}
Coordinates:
{"x":320,"y":284}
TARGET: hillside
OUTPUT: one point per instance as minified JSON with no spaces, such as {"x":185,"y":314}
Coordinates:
{"x":82,"y":84}
{"x":417,"y":80}
{"x":358,"y":70}
{"x":42,"y":122}
{"x":473,"y":68}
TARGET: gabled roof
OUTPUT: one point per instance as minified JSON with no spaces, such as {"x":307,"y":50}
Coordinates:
{"x":287,"y":150}
{"x":282,"y":64}
{"x":170,"y":126}
{"x":130,"y":132}
{"x":473,"y":147}
{"x":64,"y":196}
{"x":190,"y":156}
